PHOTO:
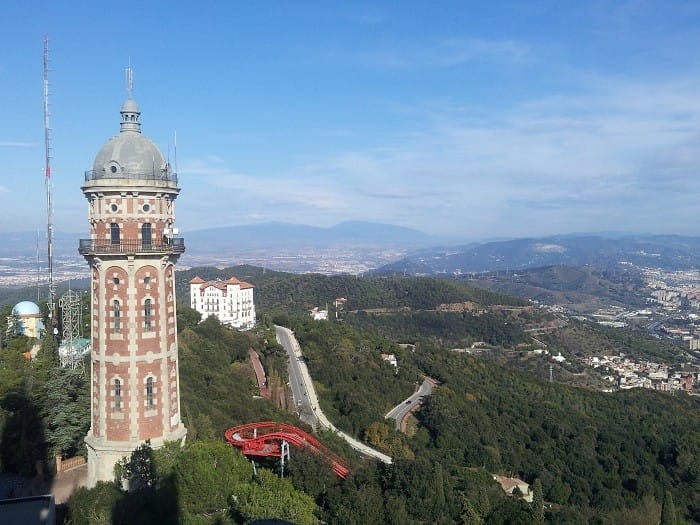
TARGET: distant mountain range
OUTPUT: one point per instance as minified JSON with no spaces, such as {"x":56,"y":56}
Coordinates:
{"x":428,"y":255}
{"x":247,"y":237}
{"x":271,"y":234}
{"x":25,"y":244}
{"x":672,"y":252}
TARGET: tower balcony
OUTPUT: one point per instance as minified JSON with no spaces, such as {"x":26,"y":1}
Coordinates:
{"x":175,"y":245}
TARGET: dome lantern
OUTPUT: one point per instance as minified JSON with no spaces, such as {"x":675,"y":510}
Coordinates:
{"x":130,"y":116}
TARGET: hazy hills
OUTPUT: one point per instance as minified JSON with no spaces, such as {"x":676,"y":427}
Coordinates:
{"x":354,"y":247}
{"x":662,"y":251}
{"x":271,"y":234}
{"x":237,"y":238}
{"x":582,"y":289}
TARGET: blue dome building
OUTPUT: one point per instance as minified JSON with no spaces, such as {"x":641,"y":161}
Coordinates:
{"x":28,"y":319}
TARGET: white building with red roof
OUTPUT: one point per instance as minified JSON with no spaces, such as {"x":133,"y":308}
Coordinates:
{"x":231,"y":301}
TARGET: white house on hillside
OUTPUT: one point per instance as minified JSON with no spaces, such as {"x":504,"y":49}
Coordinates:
{"x":231,"y":301}
{"x":319,"y":315}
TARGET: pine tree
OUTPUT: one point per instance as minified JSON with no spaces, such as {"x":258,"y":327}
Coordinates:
{"x":469,"y":515}
{"x":67,"y":409}
{"x":48,"y":353}
{"x":439,"y":487}
{"x":139,"y":469}
{"x":537,"y":503}
{"x":668,"y":510}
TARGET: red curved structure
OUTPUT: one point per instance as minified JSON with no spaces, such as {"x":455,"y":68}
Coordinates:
{"x":265,"y":439}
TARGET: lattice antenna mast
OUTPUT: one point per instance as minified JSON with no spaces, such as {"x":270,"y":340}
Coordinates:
{"x":130,"y":80}
{"x":47,"y":177}
{"x":70,"y":350}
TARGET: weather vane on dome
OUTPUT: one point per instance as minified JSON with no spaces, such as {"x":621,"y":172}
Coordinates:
{"x":130,"y":80}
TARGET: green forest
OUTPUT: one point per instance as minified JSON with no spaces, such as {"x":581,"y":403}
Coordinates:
{"x":590,"y":457}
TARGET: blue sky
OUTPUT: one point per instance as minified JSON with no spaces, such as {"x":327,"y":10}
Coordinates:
{"x":468,"y":119}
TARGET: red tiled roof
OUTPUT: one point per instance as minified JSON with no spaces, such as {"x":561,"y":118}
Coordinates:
{"x":508,"y":484}
{"x":221,"y":285}
{"x":213,"y":284}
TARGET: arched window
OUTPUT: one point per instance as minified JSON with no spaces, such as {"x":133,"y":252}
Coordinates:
{"x":117,"y":394}
{"x":146,"y":236}
{"x":149,"y":393}
{"x":114,"y":233}
{"x":147,"y":318}
{"x":117,"y":314}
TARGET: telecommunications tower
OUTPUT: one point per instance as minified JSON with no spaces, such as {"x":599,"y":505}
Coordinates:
{"x":49,"y":204}
{"x":71,"y":351}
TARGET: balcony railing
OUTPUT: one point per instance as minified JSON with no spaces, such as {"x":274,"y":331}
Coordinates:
{"x":151,"y":175}
{"x":168,"y":246}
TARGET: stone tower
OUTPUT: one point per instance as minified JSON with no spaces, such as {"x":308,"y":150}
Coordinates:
{"x":132,"y":251}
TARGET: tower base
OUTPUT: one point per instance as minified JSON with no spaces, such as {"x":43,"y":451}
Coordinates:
{"x":104,"y":455}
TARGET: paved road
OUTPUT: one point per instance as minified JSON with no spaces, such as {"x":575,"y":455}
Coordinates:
{"x":410,"y":403}
{"x":299,"y":376}
{"x":305,"y":410}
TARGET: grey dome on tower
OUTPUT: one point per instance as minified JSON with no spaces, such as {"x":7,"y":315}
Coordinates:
{"x":130,"y":154}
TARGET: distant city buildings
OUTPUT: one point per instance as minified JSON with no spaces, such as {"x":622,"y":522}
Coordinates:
{"x":625,"y":373}
{"x":230,"y":301}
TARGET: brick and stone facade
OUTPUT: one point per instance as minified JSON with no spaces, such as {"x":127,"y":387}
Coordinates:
{"x":132,"y":251}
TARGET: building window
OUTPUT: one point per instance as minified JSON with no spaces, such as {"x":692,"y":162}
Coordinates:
{"x":146,"y":237}
{"x":116,"y":312}
{"x":147,"y":318}
{"x":117,"y":394}
{"x":149,"y":393}
{"x":114,"y":234}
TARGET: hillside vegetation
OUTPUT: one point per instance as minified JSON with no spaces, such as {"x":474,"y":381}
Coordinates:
{"x":581,"y":289}
{"x":277,"y":290}
{"x":601,"y":458}
{"x":598,"y":456}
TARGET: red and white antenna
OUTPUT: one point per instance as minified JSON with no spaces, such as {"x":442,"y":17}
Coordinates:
{"x":47,"y":178}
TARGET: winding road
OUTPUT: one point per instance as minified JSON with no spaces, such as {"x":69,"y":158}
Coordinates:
{"x":411,"y":403}
{"x":305,"y":395}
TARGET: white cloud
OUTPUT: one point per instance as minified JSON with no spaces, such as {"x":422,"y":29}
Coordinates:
{"x":591,"y":161}
{"x":241,"y":197}
{"x":615,"y":155}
